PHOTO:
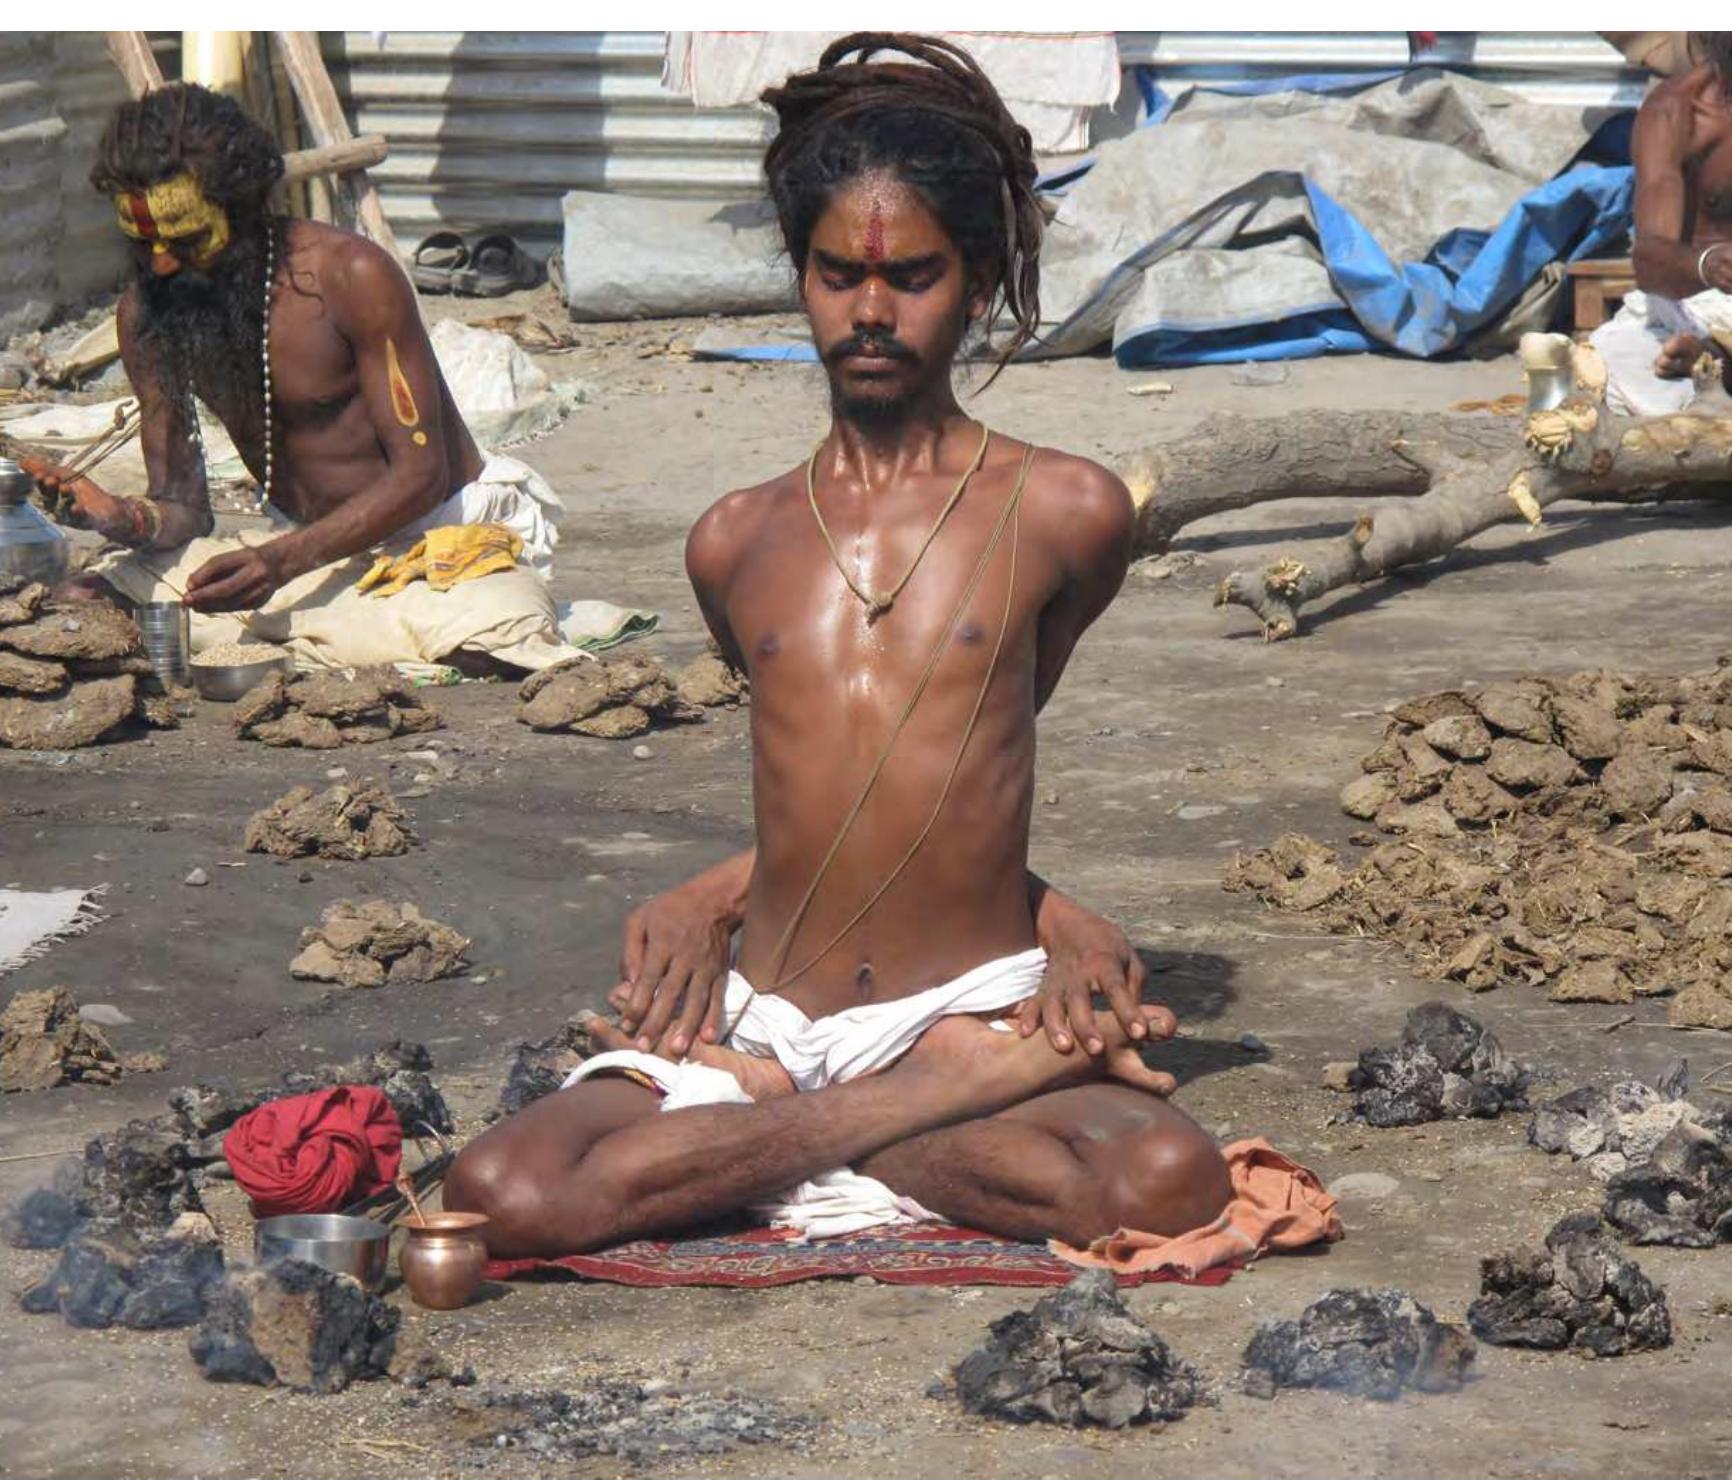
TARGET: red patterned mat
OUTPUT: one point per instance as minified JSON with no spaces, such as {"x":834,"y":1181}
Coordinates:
{"x":906,"y":1255}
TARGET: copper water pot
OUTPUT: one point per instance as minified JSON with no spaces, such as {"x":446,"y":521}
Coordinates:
{"x":442,"y":1259}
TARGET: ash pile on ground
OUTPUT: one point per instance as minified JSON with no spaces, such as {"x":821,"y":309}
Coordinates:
{"x":539,"y":1068}
{"x":1078,"y":1358}
{"x":1447,"y":1064}
{"x":1581,"y":1292}
{"x":324,"y":711}
{"x":44,"y":1042}
{"x":644,"y":1424}
{"x":617,"y":699}
{"x":1370,"y":1343}
{"x":346,"y":822}
{"x":1612,"y":1130}
{"x":73,"y":674}
{"x":1573,"y":832}
{"x":376,"y":942}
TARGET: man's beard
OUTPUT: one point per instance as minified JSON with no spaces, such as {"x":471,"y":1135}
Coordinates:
{"x":206,"y":327}
{"x":882,"y":412}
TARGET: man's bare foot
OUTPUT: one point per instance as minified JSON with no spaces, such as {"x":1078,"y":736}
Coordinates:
{"x":761,"y":1079}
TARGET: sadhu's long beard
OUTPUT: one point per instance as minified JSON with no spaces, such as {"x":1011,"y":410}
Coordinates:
{"x":206,"y":328}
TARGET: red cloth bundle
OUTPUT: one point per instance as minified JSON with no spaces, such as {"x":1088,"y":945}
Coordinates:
{"x":312,"y":1154}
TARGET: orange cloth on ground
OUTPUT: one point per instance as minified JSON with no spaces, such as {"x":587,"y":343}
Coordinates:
{"x":1276,"y":1205}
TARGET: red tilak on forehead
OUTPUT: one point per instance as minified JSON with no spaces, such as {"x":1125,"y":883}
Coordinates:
{"x":875,"y":234}
{"x":139,"y":207}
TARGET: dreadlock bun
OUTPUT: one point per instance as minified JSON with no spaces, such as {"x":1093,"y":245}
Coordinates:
{"x":936,"y":122}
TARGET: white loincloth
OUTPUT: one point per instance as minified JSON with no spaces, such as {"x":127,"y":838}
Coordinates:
{"x":1630,"y":341}
{"x":327,"y":623}
{"x":828,"y":1051}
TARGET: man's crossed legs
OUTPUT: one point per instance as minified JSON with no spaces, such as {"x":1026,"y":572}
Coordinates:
{"x":990,"y":1130}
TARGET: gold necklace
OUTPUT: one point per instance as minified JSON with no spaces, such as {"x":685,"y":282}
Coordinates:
{"x":879,"y":602}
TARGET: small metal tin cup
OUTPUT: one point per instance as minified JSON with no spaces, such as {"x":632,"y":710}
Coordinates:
{"x":335,"y":1242}
{"x":167,"y":631}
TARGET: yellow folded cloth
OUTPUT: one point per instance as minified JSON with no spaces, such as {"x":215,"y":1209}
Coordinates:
{"x":445,"y":556}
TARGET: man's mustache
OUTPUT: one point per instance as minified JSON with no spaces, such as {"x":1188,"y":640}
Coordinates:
{"x":875,"y":346}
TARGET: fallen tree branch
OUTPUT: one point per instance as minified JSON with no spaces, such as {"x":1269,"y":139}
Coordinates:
{"x":1577,"y":451}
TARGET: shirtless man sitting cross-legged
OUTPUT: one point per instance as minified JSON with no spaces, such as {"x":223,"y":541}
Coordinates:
{"x":910,"y":597}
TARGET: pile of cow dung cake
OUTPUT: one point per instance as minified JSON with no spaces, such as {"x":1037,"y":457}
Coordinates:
{"x":377,"y":942}
{"x":73,"y":674}
{"x":324,"y":711}
{"x":45,"y":1042}
{"x":1580,"y":1292}
{"x":349,"y":821}
{"x":617,"y":699}
{"x":1573,"y":832}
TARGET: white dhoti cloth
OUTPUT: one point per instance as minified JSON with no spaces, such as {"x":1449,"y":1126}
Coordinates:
{"x":828,"y":1051}
{"x":1630,"y":341}
{"x":327,"y":623}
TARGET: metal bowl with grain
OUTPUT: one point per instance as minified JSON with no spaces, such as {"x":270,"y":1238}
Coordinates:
{"x":226,"y":680}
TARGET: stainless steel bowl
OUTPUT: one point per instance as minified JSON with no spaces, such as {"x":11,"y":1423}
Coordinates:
{"x":229,"y":681}
{"x":334,"y":1242}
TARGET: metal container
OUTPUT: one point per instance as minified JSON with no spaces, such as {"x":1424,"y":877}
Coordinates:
{"x":167,"y":631}
{"x":227,"y":682}
{"x":443,"y":1259}
{"x":334,"y":1242}
{"x":31,"y":547}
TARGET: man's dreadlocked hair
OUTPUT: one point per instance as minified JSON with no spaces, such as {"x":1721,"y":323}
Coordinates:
{"x":1715,"y":48}
{"x":187,"y":127}
{"x":938,"y":124}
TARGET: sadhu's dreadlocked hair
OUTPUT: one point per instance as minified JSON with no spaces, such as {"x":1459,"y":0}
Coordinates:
{"x":187,"y":127}
{"x":937,"y":123}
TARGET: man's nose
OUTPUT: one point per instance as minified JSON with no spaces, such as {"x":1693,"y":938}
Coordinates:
{"x":163,"y":262}
{"x":874,"y":305}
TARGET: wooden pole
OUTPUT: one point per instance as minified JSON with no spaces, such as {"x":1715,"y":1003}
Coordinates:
{"x":334,"y":159}
{"x":329,"y":128}
{"x":132,"y":54}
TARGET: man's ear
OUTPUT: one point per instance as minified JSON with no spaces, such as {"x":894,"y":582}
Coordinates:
{"x":980,"y":285}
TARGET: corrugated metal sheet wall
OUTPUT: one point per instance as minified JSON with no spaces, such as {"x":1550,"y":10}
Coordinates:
{"x":57,"y":237}
{"x":31,"y":131}
{"x":490,"y":128}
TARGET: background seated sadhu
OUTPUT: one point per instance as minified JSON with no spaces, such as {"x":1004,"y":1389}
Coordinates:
{"x":306,"y":342}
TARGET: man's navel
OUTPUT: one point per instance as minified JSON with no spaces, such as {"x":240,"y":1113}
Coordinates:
{"x":864,"y":982}
{"x":769,"y":646}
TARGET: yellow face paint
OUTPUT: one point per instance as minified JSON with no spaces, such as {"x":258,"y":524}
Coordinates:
{"x":175,"y":216}
{"x":402,"y":398}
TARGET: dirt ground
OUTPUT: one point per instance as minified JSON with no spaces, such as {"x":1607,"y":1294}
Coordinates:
{"x":1177,"y":737}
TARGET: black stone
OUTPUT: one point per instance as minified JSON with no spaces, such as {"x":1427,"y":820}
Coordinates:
{"x":203,"y":1112}
{"x":1078,"y":1357}
{"x":1371,"y":1343}
{"x":137,"y":1177}
{"x":399,"y":1070}
{"x":1581,"y":1292}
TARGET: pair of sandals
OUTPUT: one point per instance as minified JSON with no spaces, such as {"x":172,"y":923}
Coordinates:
{"x":489,"y":267}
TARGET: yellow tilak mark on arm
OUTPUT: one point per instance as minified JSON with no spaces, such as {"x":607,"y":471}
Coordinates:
{"x":402,"y":398}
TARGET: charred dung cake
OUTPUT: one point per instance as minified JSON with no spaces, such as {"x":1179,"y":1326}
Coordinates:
{"x":1581,"y":1292}
{"x":1612,"y":1130}
{"x":115,"y":1277}
{"x":294,"y":1324}
{"x":1077,"y":1358}
{"x":1682,"y":1195}
{"x":1370,"y":1343}
{"x":539,"y":1068}
{"x":1446,"y":1065}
